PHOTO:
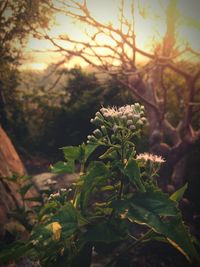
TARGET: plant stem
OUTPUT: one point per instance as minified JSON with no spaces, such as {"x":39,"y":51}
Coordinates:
{"x":76,"y":190}
{"x":121,"y":189}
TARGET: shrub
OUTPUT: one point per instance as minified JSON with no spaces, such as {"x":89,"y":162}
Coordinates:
{"x":112,"y":195}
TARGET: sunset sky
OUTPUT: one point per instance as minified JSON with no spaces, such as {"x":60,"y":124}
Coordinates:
{"x":149,"y":28}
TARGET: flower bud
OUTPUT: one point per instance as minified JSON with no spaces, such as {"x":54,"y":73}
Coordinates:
{"x":140,"y":122}
{"x":129,"y":122}
{"x":130,"y":116}
{"x":115,"y":128}
{"x":104,"y":131}
{"x":137,"y":105}
{"x":142,"y":108}
{"x":97,"y":133}
{"x":132,"y":127}
{"x":97,"y":121}
{"x":91,"y":138}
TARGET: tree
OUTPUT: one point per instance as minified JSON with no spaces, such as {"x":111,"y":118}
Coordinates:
{"x":148,"y":82}
{"x":18,"y":20}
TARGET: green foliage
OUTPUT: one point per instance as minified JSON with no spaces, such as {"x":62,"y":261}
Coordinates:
{"x":110,"y":197}
{"x":42,"y":117}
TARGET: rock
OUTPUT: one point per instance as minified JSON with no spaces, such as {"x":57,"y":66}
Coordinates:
{"x":56,"y":181}
{"x":9,"y":163}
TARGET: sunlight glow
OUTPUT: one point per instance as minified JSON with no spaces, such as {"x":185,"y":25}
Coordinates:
{"x":35,"y":65}
{"x":149,"y":21}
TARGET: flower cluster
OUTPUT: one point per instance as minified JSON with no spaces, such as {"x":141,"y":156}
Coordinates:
{"x":150,"y":157}
{"x":110,"y":120}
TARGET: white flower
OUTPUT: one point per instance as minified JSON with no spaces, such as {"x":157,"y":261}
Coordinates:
{"x":150,"y":157}
{"x":115,"y":112}
{"x":63,"y":190}
{"x":35,"y":242}
{"x":55,"y":195}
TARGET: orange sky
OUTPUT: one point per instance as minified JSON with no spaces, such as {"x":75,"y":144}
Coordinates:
{"x":149,"y":28}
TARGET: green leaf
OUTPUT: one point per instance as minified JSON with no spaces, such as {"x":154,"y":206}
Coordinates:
{"x":148,"y":203}
{"x":106,"y":232}
{"x":176,"y":196}
{"x":88,"y":150}
{"x":173,"y":230}
{"x":155,"y":201}
{"x":177,"y":235}
{"x":48,"y":208}
{"x":63,"y":167}
{"x":72,"y":152}
{"x":146,"y":210}
{"x":78,"y":153}
{"x":157,"y":211}
{"x":132,"y":170}
{"x":96,"y":175}
{"x":108,"y":153}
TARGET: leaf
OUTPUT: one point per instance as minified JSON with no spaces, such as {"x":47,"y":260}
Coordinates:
{"x":148,"y":203}
{"x":68,"y":218}
{"x":146,"y":210}
{"x":108,"y":153}
{"x":72,"y":152}
{"x":106,"y":232}
{"x":88,"y":150}
{"x":156,"y":202}
{"x":176,"y":196}
{"x":174,"y":230}
{"x":63,"y":167}
{"x":50,"y":207}
{"x":133,"y":172}
{"x":96,"y":175}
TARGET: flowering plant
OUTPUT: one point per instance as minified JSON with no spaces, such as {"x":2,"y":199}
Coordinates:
{"x":111,"y":196}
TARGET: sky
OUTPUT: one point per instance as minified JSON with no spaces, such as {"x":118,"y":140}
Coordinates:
{"x":149,"y":27}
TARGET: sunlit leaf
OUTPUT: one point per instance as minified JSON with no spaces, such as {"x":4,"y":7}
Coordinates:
{"x":88,"y":150}
{"x":176,"y":196}
{"x":72,"y":152}
{"x":63,"y":167}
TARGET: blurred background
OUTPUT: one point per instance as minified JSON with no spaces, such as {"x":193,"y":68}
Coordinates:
{"x":60,"y":61}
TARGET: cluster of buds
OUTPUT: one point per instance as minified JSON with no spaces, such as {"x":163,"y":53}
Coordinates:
{"x":110,"y":120}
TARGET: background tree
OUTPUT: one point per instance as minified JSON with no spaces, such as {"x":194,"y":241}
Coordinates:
{"x":149,"y":81}
{"x":18,"y":19}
